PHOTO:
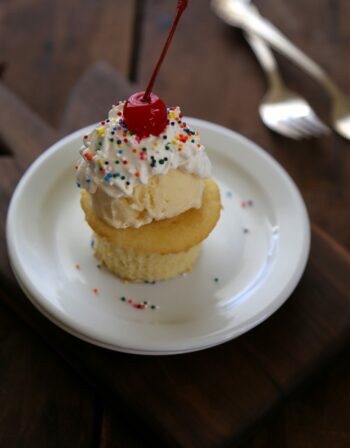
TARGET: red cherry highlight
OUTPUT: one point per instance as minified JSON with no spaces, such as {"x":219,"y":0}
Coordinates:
{"x":145,"y":118}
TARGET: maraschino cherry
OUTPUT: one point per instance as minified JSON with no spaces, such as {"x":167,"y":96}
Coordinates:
{"x":145,"y":117}
{"x":144,"y":112}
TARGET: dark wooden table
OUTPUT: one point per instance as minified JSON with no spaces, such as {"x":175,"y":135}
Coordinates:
{"x":45,"y":47}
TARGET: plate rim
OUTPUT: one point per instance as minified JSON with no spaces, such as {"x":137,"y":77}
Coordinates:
{"x":270,"y":309}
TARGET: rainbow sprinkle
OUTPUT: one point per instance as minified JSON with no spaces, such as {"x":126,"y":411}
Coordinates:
{"x":143,"y":305}
{"x":247,"y":204}
{"x":128,"y":161}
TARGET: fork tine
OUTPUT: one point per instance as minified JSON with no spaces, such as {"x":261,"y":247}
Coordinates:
{"x":291,"y":116}
{"x":301,"y":124}
{"x":318,"y":125}
{"x":298,"y":125}
{"x":311,"y":127}
{"x":316,"y":130}
{"x":282,"y":128}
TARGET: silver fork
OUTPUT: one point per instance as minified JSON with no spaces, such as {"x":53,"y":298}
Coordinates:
{"x":281,"y":109}
{"x":239,"y":13}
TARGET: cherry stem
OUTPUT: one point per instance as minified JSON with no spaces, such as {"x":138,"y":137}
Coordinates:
{"x":181,"y":6}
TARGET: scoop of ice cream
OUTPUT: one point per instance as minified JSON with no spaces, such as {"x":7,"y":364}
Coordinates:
{"x":164,"y":196}
{"x":134,"y":180}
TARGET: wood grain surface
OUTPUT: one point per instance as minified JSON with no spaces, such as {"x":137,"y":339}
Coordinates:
{"x":47,"y":45}
{"x":318,"y":417}
{"x":43,"y":403}
{"x":183,"y":403}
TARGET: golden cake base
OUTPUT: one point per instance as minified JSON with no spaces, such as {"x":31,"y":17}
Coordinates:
{"x":138,"y":266}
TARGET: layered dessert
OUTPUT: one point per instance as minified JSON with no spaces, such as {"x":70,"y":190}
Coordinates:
{"x":150,"y":201}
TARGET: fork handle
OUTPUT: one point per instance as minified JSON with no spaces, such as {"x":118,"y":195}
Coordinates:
{"x":249,"y":21}
{"x":266,"y":59}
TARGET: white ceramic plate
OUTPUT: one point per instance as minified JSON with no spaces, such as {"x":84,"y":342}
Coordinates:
{"x":248,"y":267}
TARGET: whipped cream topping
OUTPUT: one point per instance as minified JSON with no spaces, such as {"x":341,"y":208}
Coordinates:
{"x":116,"y":160}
